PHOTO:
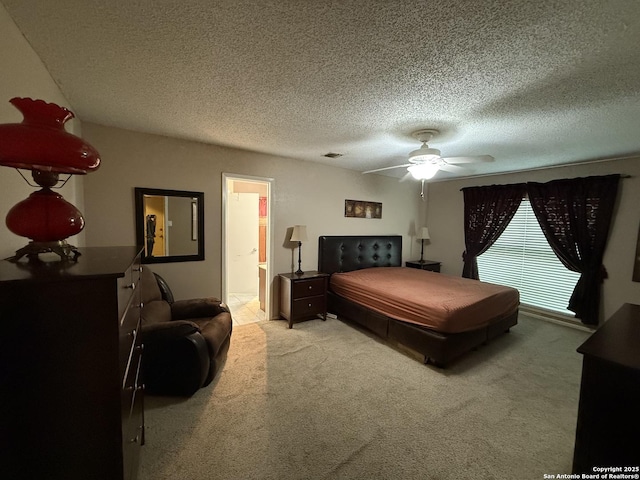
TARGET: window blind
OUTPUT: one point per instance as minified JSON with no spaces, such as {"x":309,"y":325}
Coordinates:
{"x":522,"y":258}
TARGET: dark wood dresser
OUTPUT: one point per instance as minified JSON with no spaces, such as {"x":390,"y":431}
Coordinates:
{"x":609,"y":411}
{"x":71,"y":394}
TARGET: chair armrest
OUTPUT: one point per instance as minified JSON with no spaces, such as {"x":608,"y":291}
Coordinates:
{"x":163,"y":331}
{"x":175,"y":362}
{"x":197,"y":308}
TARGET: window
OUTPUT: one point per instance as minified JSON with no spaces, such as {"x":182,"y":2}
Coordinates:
{"x":522,"y":258}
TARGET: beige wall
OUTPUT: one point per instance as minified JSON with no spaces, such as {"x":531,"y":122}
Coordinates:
{"x":446,"y":211}
{"x":24,"y":75}
{"x":304,"y":193}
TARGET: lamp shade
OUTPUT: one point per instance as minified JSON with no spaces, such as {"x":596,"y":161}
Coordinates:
{"x":423,"y":234}
{"x":40,"y":142}
{"x":299,"y":233}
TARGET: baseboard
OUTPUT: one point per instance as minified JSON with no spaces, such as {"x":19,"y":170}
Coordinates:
{"x":558,"y":319}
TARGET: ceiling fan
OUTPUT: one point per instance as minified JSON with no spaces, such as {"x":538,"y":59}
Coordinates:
{"x":425,"y":162}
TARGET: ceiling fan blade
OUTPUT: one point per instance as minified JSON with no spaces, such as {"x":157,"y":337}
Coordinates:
{"x":452,"y":168}
{"x":387,"y":168}
{"x":406,"y":177}
{"x":474,"y":159}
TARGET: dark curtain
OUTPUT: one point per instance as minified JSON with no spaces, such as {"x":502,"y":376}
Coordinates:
{"x":575,"y":216}
{"x":487,"y":212}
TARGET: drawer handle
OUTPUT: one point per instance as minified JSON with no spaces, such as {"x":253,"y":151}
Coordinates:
{"x":310,"y":287}
{"x":137,"y":388}
{"x":133,"y":333}
{"x":309,"y":305}
{"x":139,"y":436}
{"x":132,"y":286}
{"x":138,"y":269}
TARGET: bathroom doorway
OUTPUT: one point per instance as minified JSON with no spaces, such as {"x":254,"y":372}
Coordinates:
{"x":247,"y":242}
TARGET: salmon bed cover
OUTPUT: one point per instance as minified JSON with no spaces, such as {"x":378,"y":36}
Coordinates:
{"x":444,"y":303}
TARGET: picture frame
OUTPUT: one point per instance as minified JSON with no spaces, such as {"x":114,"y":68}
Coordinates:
{"x":636,"y":263}
{"x":194,"y":220}
{"x":362,"y":209}
{"x":186,"y":242}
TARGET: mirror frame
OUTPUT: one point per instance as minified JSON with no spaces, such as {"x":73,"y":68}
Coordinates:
{"x":140,"y":240}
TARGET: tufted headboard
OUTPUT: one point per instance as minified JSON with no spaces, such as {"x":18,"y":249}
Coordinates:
{"x":346,"y":253}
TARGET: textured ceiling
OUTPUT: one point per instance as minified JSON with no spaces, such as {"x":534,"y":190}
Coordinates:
{"x":531,"y":83}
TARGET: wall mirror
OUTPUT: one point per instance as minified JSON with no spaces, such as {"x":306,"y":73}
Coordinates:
{"x":169,"y":225}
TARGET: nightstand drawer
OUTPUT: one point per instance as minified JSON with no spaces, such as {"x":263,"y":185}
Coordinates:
{"x":308,"y":288}
{"x":308,"y":306}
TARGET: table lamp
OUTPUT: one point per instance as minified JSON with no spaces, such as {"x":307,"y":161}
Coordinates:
{"x":423,"y":235}
{"x":299,"y":235}
{"x":41,"y":144}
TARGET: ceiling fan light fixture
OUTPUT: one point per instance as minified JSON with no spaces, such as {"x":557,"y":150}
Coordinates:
{"x":423,"y":171}
{"x":424,"y":154}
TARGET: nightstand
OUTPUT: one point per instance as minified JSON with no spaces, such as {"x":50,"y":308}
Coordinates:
{"x":303,"y":297}
{"x":430,"y":265}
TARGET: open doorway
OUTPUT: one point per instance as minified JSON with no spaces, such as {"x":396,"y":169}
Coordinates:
{"x":247,"y":257}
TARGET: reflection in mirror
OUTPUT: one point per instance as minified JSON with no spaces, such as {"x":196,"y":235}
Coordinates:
{"x":170,"y":225}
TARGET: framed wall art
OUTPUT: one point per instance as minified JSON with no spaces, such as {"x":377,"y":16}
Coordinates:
{"x":636,"y":264}
{"x":362,"y":209}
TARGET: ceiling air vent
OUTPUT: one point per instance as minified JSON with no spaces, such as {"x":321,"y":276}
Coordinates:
{"x":332,"y":155}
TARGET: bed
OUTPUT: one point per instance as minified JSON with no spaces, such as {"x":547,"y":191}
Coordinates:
{"x":441,"y":317}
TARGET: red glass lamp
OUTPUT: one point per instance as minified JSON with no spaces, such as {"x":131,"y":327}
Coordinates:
{"x":41,"y":144}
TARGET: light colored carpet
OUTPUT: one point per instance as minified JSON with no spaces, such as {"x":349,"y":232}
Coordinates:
{"x":326,"y":400}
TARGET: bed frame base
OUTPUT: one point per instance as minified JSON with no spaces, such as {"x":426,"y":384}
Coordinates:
{"x":438,"y":348}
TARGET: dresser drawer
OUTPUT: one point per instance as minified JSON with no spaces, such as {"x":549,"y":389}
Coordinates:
{"x":130,"y":314}
{"x":125,"y":351}
{"x":308,"y":288}
{"x":132,"y":418}
{"x":128,"y":284}
{"x":131,"y":384}
{"x":129,"y":326}
{"x":126,"y":288}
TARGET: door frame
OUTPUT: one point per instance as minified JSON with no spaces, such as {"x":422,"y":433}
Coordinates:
{"x":226,"y":178}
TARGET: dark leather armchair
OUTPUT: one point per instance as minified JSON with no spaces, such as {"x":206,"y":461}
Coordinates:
{"x":184,"y":340}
